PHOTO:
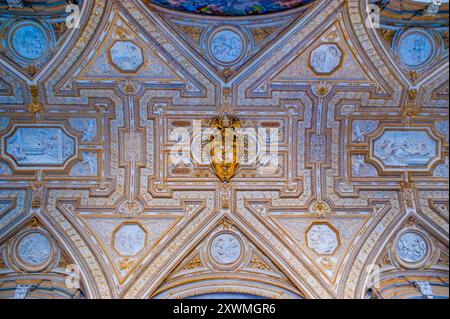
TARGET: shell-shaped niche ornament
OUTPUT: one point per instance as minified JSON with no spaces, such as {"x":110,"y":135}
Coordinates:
{"x":224,"y":147}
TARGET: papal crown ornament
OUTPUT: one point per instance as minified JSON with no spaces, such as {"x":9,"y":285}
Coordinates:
{"x":224,"y":147}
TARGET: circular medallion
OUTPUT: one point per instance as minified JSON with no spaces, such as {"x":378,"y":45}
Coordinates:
{"x":226,"y":46}
{"x":34,"y":249}
{"x":416,"y":48}
{"x":226,"y":249}
{"x":411,"y":247}
{"x":29,"y":41}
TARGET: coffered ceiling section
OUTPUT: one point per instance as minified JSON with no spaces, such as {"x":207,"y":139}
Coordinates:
{"x":32,"y":32}
{"x":103,"y":148}
{"x":229,"y":44}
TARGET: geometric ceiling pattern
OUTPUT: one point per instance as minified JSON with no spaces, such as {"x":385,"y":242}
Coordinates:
{"x":351,"y":203}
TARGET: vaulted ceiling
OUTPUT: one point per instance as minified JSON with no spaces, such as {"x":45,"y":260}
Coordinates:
{"x":401,"y":13}
{"x":91,"y":178}
{"x":232,"y":7}
{"x":46,"y":9}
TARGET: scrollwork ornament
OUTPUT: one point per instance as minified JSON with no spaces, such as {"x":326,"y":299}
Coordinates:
{"x":130,"y":208}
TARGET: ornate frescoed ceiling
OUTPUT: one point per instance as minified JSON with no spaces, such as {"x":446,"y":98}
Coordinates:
{"x":232,"y":7}
{"x":44,"y":9}
{"x":104,"y":130}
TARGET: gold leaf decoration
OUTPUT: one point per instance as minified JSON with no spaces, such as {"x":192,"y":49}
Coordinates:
{"x":192,"y":32}
{"x":193,"y":263}
{"x":258,"y":263}
{"x":388,"y":35}
{"x":224,"y":157}
{"x":259,"y":34}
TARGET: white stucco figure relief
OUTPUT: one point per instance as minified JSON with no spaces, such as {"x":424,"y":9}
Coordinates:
{"x":362,"y":169}
{"x":361,"y":128}
{"x":433,"y":8}
{"x":126,"y":56}
{"x":33,"y":146}
{"x":415,"y":49}
{"x":34,"y":249}
{"x":443,"y":128}
{"x":87,"y":127}
{"x":87,"y":167}
{"x":405,"y":148}
{"x":21,"y":291}
{"x":424,"y":288}
{"x":411,"y":247}
{"x":129,"y":240}
{"x":29,"y":42}
{"x":226,"y":46}
{"x":226,"y":249}
{"x":326,"y":58}
{"x":15,"y":3}
{"x":442,"y":170}
{"x":322,"y":239}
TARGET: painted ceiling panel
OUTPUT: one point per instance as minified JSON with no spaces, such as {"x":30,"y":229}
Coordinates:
{"x":43,"y":8}
{"x":232,"y":7}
